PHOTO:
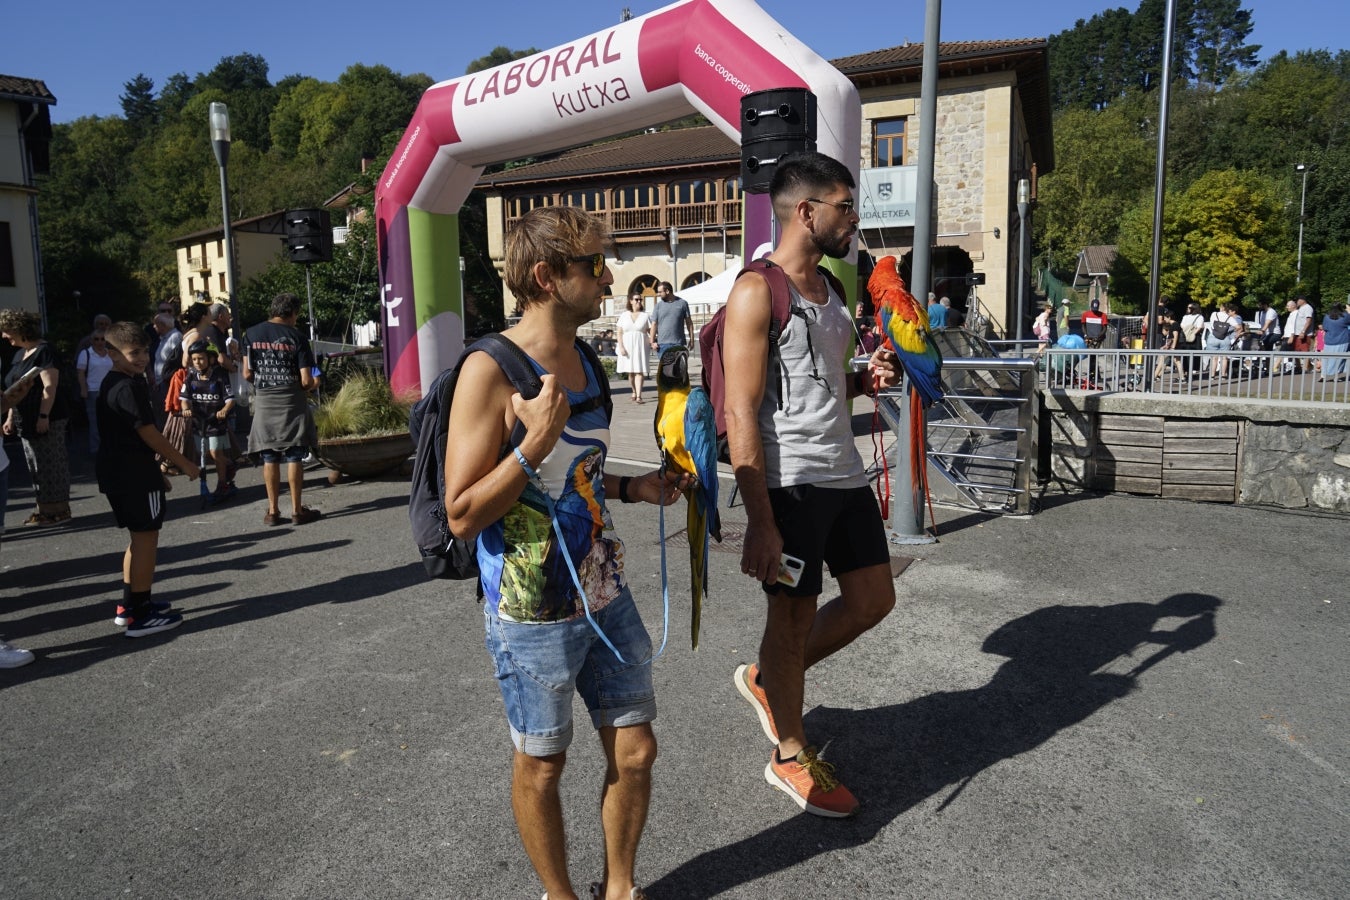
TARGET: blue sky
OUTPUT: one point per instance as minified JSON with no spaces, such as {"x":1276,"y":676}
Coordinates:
{"x":85,"y":50}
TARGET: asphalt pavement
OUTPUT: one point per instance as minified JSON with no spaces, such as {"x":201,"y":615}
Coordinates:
{"x":1116,"y":697}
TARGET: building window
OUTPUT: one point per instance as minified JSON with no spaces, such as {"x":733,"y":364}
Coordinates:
{"x":688,"y":192}
{"x":644,"y":285}
{"x":192,"y":289}
{"x":222,"y":282}
{"x":519,"y":206}
{"x":888,"y":142}
{"x":635,"y":196}
{"x":696,"y":278}
{"x":8,"y":277}
{"x":220,"y":248}
{"x":589,"y":199}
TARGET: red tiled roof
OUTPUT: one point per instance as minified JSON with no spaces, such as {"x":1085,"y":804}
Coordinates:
{"x":12,"y":87}
{"x":912,"y":54}
{"x":704,"y":145}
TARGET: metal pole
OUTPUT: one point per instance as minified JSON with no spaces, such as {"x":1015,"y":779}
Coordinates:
{"x":219,"y":118}
{"x":1160,"y":182}
{"x":309,"y":294}
{"x":1303,"y":198}
{"x":906,"y":525}
{"x":907,"y":507}
{"x":921,"y":265}
{"x":1023,"y":201}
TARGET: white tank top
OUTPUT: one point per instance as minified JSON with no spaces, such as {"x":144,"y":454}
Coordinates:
{"x":809,"y":440}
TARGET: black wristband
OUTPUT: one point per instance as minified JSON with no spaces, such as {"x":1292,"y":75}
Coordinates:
{"x":43,"y":416}
{"x":623,"y":489}
{"x":862,"y":383}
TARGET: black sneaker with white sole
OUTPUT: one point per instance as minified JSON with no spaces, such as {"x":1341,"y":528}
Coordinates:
{"x":124,"y":614}
{"x":146,"y":622}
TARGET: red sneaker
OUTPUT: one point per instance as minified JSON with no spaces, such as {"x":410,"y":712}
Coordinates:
{"x":748,"y":684}
{"x":811,"y":784}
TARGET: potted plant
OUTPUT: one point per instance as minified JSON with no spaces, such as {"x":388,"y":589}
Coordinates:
{"x":363,"y":427}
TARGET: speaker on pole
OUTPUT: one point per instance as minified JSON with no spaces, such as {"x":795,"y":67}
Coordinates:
{"x":774,"y":123}
{"x":309,"y":235}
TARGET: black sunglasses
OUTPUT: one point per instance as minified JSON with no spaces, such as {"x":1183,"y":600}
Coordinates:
{"x":597,"y":261}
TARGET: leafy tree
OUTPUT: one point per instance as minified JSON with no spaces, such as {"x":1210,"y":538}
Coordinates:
{"x":1104,"y":165}
{"x":138,"y":105}
{"x":499,"y":56}
{"x":1214,"y":234}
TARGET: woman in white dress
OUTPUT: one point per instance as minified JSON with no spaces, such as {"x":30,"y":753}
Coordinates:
{"x":632,"y":347}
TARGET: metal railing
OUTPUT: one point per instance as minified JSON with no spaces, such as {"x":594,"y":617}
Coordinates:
{"x":981,"y":436}
{"x":1217,"y":374}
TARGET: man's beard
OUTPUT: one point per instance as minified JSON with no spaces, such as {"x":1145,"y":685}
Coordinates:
{"x":836,"y":249}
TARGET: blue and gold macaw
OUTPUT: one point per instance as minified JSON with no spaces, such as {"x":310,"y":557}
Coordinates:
{"x":903,"y":324}
{"x":686,"y":434}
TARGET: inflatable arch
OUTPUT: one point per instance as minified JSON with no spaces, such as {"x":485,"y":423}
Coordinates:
{"x":701,"y":55}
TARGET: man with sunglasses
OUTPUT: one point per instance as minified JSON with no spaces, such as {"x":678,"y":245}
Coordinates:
{"x":521,"y":505}
{"x":805,"y":490}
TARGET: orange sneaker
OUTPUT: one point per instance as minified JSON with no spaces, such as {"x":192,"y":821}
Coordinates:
{"x":811,"y":784}
{"x":748,"y":684}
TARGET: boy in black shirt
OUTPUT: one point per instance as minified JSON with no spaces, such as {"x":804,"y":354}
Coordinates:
{"x":207,"y":399}
{"x":129,"y":476}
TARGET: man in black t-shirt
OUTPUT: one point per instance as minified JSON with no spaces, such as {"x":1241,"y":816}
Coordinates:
{"x":279,"y":362}
{"x":130,"y":478}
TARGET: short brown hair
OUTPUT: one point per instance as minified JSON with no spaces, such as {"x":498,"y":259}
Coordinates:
{"x":547,"y":234}
{"x":24,"y":325}
{"x":126,"y":334}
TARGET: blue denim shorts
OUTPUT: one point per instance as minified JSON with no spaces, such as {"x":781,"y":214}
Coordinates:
{"x":289,"y":455}
{"x":540,"y":666}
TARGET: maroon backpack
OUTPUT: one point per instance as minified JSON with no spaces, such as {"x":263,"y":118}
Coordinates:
{"x":710,"y":336}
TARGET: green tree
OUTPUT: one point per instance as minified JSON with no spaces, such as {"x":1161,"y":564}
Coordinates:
{"x":1215,"y":233}
{"x":1104,"y":165}
{"x":499,"y":56}
{"x":139,"y":107}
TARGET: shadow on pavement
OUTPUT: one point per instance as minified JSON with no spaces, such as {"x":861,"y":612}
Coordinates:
{"x":896,"y":757}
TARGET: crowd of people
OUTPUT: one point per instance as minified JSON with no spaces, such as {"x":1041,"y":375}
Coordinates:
{"x":159,"y":398}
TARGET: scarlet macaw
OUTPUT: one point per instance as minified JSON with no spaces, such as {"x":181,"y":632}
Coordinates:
{"x":686,"y":434}
{"x":903,"y":323}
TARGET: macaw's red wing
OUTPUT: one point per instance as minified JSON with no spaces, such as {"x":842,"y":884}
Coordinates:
{"x":903,"y":324}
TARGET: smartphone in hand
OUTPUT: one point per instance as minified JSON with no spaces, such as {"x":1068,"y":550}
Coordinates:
{"x":789,"y":570}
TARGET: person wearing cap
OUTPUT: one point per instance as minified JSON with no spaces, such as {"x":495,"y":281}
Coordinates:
{"x":1062,"y":322}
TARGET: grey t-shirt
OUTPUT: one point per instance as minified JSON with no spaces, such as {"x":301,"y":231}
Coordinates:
{"x":670,"y":316}
{"x":810,"y":440}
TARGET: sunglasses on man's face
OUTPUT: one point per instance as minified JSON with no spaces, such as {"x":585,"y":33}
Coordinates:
{"x":597,"y":261}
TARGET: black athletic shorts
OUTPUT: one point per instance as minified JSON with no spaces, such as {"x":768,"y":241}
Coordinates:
{"x":840,"y":527}
{"x":138,"y":510}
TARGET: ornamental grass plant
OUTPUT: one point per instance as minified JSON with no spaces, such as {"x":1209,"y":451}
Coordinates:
{"x":364,"y":406}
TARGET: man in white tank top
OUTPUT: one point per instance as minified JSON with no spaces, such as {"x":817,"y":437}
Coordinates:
{"x":799,"y":473}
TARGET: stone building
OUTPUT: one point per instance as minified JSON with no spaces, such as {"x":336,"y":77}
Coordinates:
{"x":672,"y":198}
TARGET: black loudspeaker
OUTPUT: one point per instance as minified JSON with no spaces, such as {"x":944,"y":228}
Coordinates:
{"x":774,"y":123}
{"x":309,"y":235}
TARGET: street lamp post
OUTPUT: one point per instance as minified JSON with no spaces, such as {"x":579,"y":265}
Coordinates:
{"x":1023,"y":201}
{"x":220,"y":143}
{"x":1303,"y":168}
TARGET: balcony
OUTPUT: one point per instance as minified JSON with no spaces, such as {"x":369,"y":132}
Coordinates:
{"x":199,"y":264}
{"x":661,"y":218}
{"x":340,"y":235}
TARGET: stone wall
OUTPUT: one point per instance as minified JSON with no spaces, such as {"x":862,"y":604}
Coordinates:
{"x":1296,"y":467}
{"x":1292,"y":455}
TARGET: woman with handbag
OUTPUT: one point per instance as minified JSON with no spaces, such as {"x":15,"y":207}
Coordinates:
{"x":1192,"y":327}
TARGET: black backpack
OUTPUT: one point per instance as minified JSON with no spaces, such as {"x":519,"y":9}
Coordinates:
{"x":443,"y":554}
